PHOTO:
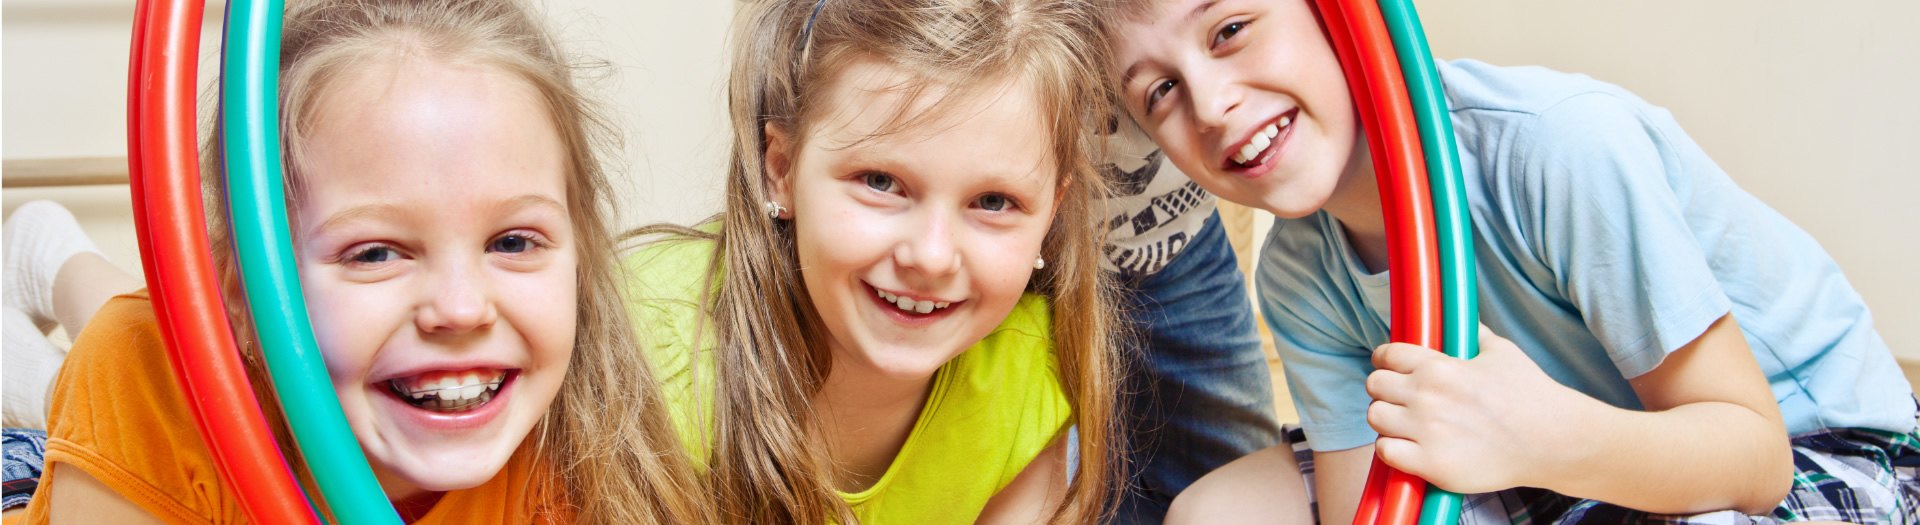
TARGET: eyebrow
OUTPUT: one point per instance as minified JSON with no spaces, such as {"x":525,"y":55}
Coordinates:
{"x":381,"y":211}
{"x":1126,"y":77}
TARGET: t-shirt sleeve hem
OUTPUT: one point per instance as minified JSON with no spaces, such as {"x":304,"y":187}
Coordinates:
{"x":1673,"y":332}
{"x":1335,"y":438}
{"x":121,"y":481}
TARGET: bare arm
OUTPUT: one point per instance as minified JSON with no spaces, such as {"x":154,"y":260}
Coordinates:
{"x":1711,"y":436}
{"x":79,"y":498}
{"x":1033,"y":495}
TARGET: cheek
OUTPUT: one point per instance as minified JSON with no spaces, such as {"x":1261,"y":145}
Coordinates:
{"x":350,"y":323}
{"x":545,"y":307}
{"x":836,"y":235}
{"x":1002,"y":265}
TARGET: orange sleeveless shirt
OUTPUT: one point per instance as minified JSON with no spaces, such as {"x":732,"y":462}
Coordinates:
{"x":118,"y":416}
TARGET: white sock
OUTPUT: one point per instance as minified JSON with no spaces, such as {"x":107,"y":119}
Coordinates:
{"x":40,"y":237}
{"x":31,"y":363}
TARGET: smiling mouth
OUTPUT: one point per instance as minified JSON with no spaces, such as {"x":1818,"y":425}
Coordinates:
{"x":909,"y":305}
{"x":1260,"y":146}
{"x":456,"y":391}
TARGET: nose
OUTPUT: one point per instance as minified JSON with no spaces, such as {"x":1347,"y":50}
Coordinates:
{"x":1213,"y":97}
{"x":929,"y":250}
{"x":458,"y":300}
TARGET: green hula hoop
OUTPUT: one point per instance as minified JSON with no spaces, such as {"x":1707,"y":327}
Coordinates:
{"x":256,"y":195}
{"x":1460,"y":315}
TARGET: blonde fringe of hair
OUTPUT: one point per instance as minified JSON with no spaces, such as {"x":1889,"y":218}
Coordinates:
{"x":606,"y":438}
{"x":770,"y":348}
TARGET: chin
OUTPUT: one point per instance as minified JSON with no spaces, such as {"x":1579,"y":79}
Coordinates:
{"x":453,"y":470}
{"x":908,"y":361}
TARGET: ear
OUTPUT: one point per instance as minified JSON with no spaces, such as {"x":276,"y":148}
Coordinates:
{"x":777,"y":165}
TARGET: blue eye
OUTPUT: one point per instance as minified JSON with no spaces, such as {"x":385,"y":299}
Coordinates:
{"x":880,"y":182}
{"x":510,"y":244}
{"x":372,"y":255}
{"x":994,"y":202}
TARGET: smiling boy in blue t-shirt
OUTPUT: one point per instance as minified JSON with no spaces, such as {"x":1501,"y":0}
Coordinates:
{"x":1659,"y":343}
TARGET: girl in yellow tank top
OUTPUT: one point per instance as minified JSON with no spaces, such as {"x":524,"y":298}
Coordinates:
{"x":899,"y":315}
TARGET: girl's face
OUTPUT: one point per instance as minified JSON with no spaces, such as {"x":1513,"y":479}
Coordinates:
{"x":438,"y":256}
{"x":915,"y":244}
{"x":1245,"y":96}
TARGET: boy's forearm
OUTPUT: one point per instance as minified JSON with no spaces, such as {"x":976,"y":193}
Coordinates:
{"x":1694,"y":458}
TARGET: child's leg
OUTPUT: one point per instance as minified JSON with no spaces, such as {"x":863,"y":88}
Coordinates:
{"x":1265,"y":487}
{"x":1845,"y":476}
{"x":85,"y":283}
{"x":40,"y":237}
{"x":1200,"y":393}
{"x":31,"y":364}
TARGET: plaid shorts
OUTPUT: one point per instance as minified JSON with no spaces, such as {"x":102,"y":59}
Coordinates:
{"x":1853,"y":475}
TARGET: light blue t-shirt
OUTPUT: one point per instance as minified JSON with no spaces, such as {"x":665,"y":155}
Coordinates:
{"x":1605,"y":240}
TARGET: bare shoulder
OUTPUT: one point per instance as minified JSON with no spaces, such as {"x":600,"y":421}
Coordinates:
{"x":78,"y":497}
{"x":1033,"y":494}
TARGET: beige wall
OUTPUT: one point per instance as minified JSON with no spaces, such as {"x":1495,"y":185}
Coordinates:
{"x":1807,"y":108}
{"x":64,"y":89}
{"x":1808,"y":105}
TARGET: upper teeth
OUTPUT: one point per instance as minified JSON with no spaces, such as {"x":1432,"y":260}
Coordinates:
{"x":452,"y":387}
{"x":908,"y":304}
{"x":1261,"y":140}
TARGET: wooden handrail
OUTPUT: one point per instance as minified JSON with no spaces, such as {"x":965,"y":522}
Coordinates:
{"x":67,"y":171}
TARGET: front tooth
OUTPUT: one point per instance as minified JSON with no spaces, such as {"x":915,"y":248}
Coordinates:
{"x":1272,"y":129}
{"x":471,"y":391}
{"x":923,"y":307}
{"x":1248,"y":151}
{"x":941,"y":304}
{"x":1262,"y":141}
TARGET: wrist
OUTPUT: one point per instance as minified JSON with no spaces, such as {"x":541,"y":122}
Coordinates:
{"x":1572,"y":443}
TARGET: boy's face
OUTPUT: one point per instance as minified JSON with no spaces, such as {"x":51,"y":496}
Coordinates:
{"x":1245,"y":96}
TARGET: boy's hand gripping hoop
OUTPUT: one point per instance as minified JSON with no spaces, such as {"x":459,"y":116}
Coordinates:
{"x":1397,"y":91}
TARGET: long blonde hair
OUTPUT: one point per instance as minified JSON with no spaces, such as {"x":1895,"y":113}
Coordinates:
{"x":770,"y":348}
{"x":606,"y":437}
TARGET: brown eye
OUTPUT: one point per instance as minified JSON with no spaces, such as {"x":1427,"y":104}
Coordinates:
{"x":1159,"y":91}
{"x":1227,"y":32}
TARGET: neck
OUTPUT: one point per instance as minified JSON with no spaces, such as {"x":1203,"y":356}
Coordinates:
{"x":409,"y":500}
{"x":865,"y":417}
{"x":1356,"y":204}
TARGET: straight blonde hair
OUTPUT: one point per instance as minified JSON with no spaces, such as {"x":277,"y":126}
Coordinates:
{"x":771,"y":351}
{"x":606,"y":437}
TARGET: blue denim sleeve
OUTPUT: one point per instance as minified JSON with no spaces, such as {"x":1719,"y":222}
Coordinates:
{"x":1599,"y":192}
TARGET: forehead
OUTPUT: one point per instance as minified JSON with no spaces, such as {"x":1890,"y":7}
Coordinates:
{"x":432,"y":132}
{"x":878,"y":110}
{"x":1146,"y":28}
